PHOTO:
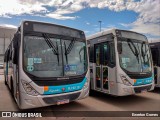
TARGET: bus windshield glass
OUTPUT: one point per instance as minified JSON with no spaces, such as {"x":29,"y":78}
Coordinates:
{"x":134,"y":55}
{"x":54,"y":57}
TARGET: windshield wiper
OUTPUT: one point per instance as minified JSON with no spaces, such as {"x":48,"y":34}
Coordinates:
{"x":51,"y":45}
{"x":68,"y":50}
{"x":136,"y":53}
{"x":80,"y":53}
{"x":144,"y":53}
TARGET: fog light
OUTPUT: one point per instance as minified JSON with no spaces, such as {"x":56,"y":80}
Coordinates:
{"x":128,"y":90}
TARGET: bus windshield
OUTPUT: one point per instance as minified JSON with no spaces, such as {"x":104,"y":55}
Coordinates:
{"x":54,"y":57}
{"x":134,"y":55}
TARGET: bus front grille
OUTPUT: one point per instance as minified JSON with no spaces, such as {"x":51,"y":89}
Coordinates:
{"x":140,"y":89}
{"x":55,"y":99}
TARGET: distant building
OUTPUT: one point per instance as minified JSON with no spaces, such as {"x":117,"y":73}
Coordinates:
{"x":6,"y":35}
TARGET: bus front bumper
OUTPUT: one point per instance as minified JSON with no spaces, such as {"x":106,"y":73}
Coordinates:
{"x":29,"y":101}
{"x":124,"y":90}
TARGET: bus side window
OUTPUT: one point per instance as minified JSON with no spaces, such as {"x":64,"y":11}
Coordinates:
{"x":109,"y":52}
{"x":105,"y":54}
{"x":97,"y":54}
{"x":91,"y":52}
{"x":155,"y":56}
{"x":112,"y":53}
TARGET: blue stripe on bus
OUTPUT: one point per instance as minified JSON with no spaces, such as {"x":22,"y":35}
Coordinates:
{"x":65,"y":88}
{"x":143,"y":81}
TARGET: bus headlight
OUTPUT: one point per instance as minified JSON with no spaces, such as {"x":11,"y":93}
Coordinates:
{"x":86,"y":84}
{"x":125,"y":80}
{"x":29,"y":89}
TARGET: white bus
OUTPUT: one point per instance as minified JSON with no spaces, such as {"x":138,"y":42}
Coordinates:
{"x":120,"y":63}
{"x":47,"y":64}
{"x":155,"y":49}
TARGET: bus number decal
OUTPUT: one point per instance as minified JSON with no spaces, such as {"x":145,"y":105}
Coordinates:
{"x":64,"y":88}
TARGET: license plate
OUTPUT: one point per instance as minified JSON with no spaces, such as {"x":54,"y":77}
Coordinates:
{"x":144,"y":91}
{"x":59,"y":102}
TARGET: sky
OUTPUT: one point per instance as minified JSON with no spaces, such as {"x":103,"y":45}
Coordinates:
{"x":141,"y":16}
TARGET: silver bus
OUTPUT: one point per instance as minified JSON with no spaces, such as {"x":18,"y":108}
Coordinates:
{"x":120,"y":63}
{"x":155,"y":49}
{"x":46,"y":64}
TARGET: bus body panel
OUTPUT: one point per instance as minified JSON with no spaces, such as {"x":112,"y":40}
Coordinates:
{"x":155,"y":49}
{"x":111,"y":80}
{"x":25,"y":100}
{"x":158,"y":77}
{"x":29,"y":101}
{"x":116,"y":86}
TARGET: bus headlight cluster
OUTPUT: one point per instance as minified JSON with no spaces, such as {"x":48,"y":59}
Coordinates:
{"x":125,"y":80}
{"x":29,"y":89}
{"x":86,"y":84}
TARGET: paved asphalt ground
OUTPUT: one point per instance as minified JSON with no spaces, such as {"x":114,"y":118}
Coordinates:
{"x":148,"y":101}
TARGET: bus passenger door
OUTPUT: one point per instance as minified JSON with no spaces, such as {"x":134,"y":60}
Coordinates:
{"x":101,"y":68}
{"x":105,"y":62}
{"x":98,"y":66}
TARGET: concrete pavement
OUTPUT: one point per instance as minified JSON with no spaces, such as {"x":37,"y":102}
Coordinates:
{"x":149,"y":101}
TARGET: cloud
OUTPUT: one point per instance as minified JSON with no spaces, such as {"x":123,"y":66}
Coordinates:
{"x":108,"y":27}
{"x":146,"y":28}
{"x":88,"y":23}
{"x":60,"y":17}
{"x":148,"y":20}
{"x":17,"y":7}
{"x":64,"y":8}
{"x":8,"y":25}
{"x":86,"y":31}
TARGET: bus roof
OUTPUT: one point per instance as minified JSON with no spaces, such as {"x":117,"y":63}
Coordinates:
{"x":108,"y":31}
{"x":47,"y":23}
{"x":98,"y":34}
{"x":50,"y":28}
